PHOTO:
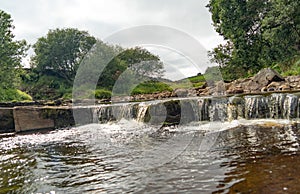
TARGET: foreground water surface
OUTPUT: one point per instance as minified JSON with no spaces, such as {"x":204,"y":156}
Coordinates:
{"x":252,"y":157}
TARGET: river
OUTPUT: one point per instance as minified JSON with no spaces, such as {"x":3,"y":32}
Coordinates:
{"x":257,"y":156}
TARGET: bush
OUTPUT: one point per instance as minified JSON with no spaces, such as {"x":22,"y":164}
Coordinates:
{"x":44,"y":87}
{"x":102,"y":94}
{"x":8,"y":95}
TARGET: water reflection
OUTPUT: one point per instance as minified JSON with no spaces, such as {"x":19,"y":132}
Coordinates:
{"x":267,"y":162}
{"x":261,"y":158}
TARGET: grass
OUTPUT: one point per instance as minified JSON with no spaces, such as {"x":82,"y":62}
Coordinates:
{"x":293,"y":70}
{"x":151,"y":87}
{"x":190,"y":82}
{"x":197,"y":79}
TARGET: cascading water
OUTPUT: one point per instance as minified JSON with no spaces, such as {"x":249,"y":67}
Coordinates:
{"x":274,"y":106}
{"x":218,"y":109}
{"x":291,"y":106}
{"x":141,"y":113}
{"x":115,"y":112}
{"x":256,"y":107}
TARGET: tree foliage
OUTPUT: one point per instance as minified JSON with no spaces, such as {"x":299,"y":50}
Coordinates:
{"x":257,"y":33}
{"x":132,"y":64}
{"x":11,"y":52}
{"x":62,"y":51}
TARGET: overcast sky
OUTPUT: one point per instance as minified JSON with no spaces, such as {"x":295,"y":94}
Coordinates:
{"x":102,"y":18}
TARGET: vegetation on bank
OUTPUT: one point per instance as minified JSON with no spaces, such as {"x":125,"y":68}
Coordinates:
{"x":258,"y":34}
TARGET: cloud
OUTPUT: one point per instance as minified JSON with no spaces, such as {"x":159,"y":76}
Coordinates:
{"x":102,"y":18}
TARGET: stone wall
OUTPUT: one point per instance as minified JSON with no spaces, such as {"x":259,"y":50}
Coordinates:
{"x":7,"y":123}
{"x":25,"y":118}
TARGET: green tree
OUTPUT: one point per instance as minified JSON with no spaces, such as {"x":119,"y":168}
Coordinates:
{"x":258,"y":33}
{"x":11,"y":53}
{"x":142,"y":62}
{"x":282,"y":31}
{"x":61,"y":52}
{"x":107,"y":62}
{"x":140,"y":66}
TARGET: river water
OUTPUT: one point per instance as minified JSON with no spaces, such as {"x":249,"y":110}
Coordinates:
{"x":257,"y":156}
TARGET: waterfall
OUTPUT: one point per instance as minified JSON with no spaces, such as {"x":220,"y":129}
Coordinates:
{"x":235,"y":108}
{"x":277,"y":102}
{"x":256,"y":107}
{"x":291,"y":107}
{"x":185,"y":110}
{"x":106,"y":113}
{"x":218,"y":109}
{"x":142,"y":109}
{"x":203,"y":109}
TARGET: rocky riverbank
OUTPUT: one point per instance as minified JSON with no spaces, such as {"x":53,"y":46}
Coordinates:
{"x":265,"y":81}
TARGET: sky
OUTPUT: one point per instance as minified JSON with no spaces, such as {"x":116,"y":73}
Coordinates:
{"x":102,"y":18}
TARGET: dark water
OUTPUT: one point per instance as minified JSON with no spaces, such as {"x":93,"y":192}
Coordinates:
{"x":257,"y":157}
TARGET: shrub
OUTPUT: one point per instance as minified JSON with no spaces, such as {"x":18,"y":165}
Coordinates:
{"x":102,"y":94}
{"x":8,"y":95}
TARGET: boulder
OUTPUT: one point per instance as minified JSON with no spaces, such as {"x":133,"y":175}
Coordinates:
{"x":293,"y":79}
{"x":265,"y":76}
{"x":181,"y":92}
